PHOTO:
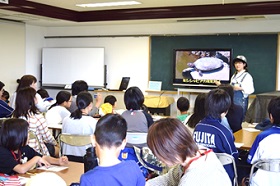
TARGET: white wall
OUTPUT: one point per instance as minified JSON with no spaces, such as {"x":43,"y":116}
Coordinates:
{"x":34,"y":44}
{"x":12,"y":52}
{"x":172,"y":28}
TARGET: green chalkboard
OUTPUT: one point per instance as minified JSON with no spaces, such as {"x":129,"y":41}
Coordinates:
{"x":259,"y":49}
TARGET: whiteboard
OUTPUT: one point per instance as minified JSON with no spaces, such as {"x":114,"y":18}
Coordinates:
{"x":63,"y":66}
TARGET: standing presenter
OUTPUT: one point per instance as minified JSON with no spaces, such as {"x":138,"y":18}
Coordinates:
{"x":242,"y":82}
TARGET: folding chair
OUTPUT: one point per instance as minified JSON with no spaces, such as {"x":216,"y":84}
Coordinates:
{"x":136,"y":139}
{"x":269,"y":165}
{"x":74,"y":140}
{"x":32,"y":135}
{"x":227,"y":159}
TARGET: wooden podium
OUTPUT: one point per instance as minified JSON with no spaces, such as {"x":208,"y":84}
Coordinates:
{"x":159,"y":104}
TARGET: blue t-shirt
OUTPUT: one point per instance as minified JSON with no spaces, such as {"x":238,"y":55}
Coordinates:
{"x":212,"y":134}
{"x":126,"y":173}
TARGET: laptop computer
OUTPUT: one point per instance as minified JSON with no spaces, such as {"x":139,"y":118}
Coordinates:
{"x":123,"y":85}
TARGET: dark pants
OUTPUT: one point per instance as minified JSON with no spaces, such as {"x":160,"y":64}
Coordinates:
{"x":239,"y":99}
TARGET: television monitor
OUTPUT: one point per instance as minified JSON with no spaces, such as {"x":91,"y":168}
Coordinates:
{"x":201,"y":67}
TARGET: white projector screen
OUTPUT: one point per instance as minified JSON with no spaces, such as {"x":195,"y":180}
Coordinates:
{"x":63,"y":66}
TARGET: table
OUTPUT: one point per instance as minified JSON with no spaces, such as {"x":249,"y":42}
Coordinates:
{"x":70,"y":175}
{"x":257,"y":111}
{"x":246,"y":137}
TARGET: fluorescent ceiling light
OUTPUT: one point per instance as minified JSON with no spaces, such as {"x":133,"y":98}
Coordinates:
{"x":120,"y":3}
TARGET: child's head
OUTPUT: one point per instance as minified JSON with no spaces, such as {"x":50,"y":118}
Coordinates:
{"x":199,"y":104}
{"x":274,"y":110}
{"x":217,"y":103}
{"x":14,"y":133}
{"x":43,"y":93}
{"x":170,"y":135}
{"x":25,"y":102}
{"x":133,"y":98}
{"x":110,"y":99}
{"x":5,"y":96}
{"x":84,"y":103}
{"x":64,"y":97}
{"x":79,"y":86}
{"x":198,"y":110}
{"x":110,"y":132}
{"x":183,"y":104}
{"x":84,"y":99}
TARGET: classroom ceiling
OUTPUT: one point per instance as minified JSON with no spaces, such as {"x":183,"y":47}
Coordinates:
{"x":66,"y":13}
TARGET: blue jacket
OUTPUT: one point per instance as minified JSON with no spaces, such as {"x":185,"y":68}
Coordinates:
{"x":5,"y":110}
{"x":212,"y":134}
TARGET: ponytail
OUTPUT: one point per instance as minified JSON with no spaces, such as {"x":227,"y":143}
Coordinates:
{"x":77,"y":114}
{"x":83,"y":101}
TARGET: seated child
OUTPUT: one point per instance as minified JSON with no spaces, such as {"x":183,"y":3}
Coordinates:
{"x":183,"y":106}
{"x":210,"y":133}
{"x":44,"y":94}
{"x":108,"y":105}
{"x":15,"y":155}
{"x":264,"y":147}
{"x":109,"y":139}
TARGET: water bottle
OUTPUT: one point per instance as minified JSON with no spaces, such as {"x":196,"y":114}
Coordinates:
{"x":90,"y":159}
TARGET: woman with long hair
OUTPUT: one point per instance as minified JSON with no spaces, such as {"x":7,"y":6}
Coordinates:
{"x":79,"y":123}
{"x":26,"y":109}
{"x":30,"y":81}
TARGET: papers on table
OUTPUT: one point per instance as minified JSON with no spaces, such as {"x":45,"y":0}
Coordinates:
{"x":53,"y":168}
{"x":251,"y":129}
{"x":238,"y":145}
{"x":157,"y":117}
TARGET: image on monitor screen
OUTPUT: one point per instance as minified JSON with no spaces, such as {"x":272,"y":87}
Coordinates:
{"x":201,"y":67}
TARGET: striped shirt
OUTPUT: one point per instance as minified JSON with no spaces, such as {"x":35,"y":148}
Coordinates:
{"x":38,"y":124}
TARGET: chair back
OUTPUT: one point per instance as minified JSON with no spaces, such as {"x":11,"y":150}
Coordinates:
{"x":270,"y":165}
{"x":74,"y":140}
{"x":136,"y":139}
{"x":227,"y":159}
{"x":32,"y":135}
